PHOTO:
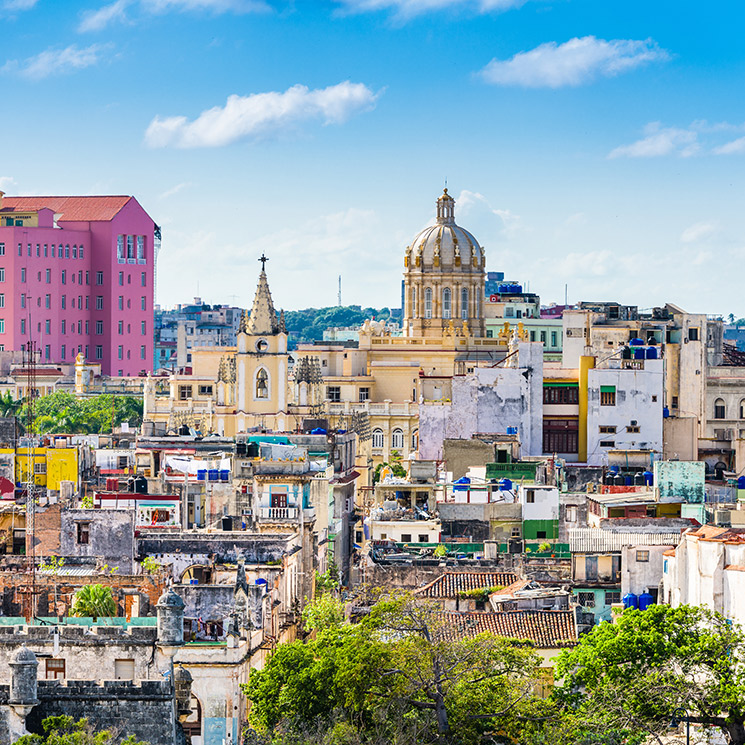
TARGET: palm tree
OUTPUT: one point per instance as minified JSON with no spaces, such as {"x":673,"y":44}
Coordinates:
{"x":8,"y":405}
{"x":94,"y":601}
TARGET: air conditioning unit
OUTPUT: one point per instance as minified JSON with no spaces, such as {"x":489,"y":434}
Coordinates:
{"x":722,"y":518}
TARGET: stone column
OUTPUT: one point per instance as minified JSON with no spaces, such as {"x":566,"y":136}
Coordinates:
{"x":23,"y":690}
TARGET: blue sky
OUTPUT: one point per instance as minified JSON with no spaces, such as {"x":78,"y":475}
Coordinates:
{"x":593,"y":143}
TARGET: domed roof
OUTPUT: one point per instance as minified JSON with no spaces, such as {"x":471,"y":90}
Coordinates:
{"x":445,"y":246}
{"x":169,"y":599}
{"x":24,"y":654}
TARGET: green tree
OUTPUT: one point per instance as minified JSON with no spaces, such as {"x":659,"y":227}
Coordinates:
{"x":624,"y":681}
{"x":9,"y":406}
{"x":94,"y":601}
{"x":396,"y":469}
{"x":64,"y":730}
{"x":62,"y":412}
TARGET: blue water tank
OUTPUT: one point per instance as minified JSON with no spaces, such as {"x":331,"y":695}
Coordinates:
{"x":645,"y":600}
{"x":202,"y":474}
{"x":628,"y":480}
{"x":318,"y":431}
{"x":225,"y":474}
{"x":505,"y":485}
{"x":648,"y":478}
{"x":630,"y":600}
{"x":741,"y":482}
{"x":639,"y":353}
{"x":511,"y":430}
{"x":614,"y":469}
{"x":636,"y":343}
{"x":651,"y":353}
{"x":213,"y":474}
{"x":665,"y":412}
{"x":462,"y":484}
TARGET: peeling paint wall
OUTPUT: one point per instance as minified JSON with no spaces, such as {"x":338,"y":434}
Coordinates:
{"x":680,"y":481}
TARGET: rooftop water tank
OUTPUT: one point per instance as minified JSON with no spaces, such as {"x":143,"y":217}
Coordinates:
{"x":252,"y":450}
{"x":665,"y":412}
{"x":318,"y":431}
{"x":619,"y":480}
{"x":202,"y":474}
{"x":505,"y":485}
{"x":462,"y":484}
{"x":625,"y":353}
{"x":648,"y":478}
{"x":213,"y":474}
{"x":639,"y":353}
{"x":225,"y":474}
{"x":636,"y":342}
{"x":741,"y":482}
{"x":630,"y":600}
{"x":645,"y":600}
{"x":651,"y":353}
{"x":141,"y":485}
{"x":638,"y":479}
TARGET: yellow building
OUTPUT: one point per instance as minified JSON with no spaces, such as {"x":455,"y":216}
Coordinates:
{"x":50,"y":465}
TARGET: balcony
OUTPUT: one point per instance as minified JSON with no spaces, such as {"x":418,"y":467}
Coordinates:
{"x":278,"y":514}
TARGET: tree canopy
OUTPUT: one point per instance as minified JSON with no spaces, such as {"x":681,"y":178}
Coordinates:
{"x":309,"y":324}
{"x":64,"y":730}
{"x":64,"y":413}
{"x":94,"y":601}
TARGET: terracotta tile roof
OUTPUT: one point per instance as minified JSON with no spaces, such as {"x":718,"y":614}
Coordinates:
{"x":547,"y":629}
{"x":452,"y":584}
{"x":73,"y":209}
{"x":714,"y":533}
{"x":734,"y":568}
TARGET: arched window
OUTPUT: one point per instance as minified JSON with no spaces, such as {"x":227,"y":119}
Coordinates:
{"x":742,"y":409}
{"x":428,"y":302}
{"x":397,"y":439}
{"x":447,"y":308}
{"x":415,"y":440}
{"x":719,"y":409}
{"x":262,"y":384}
{"x":413,"y":301}
{"x":464,"y":303}
{"x":378,"y":439}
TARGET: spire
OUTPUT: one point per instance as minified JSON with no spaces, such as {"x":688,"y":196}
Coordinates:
{"x":445,"y":209}
{"x":263,"y":318}
{"x":282,"y":324}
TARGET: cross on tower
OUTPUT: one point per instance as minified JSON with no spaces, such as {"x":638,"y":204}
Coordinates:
{"x":263,"y":261}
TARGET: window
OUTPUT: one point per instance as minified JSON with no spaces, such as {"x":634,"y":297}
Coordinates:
{"x":530,"y":496}
{"x":64,"y":277}
{"x":99,"y":278}
{"x":720,"y":411}
{"x":642,"y":556}
{"x":121,"y":278}
{"x":543,"y":337}
{"x":378,"y":439}
{"x":80,"y":253}
{"x":130,"y":247}
{"x":205,"y":390}
{"x":48,"y":276}
{"x":184,"y":392}
{"x":262,"y":384}
{"x":121,"y":302}
{"x":428,"y":302}
{"x":333,"y":393}
{"x":74,"y":252}
{"x":423,"y":538}
{"x":46,"y":250}
{"x":99,"y":302}
{"x":87,"y":329}
{"x":20,"y":249}
{"x":48,"y":326}
{"x":464,"y":303}
{"x":143,"y":352}
{"x":120,"y":249}
{"x":67,"y":251}
{"x":143,"y":327}
{"x":28,"y":249}
{"x":2,"y":325}
{"x":124,"y":669}
{"x":532,"y":336}
{"x":63,"y":326}
{"x":607,"y":444}
{"x":540,"y":534}
{"x":571,"y":513}
{"x":140,"y":248}
{"x":40,"y":468}
{"x":120,"y":352}
{"x":560,"y":394}
{"x":405,"y":537}
{"x":364,"y":394}
{"x":693,"y":334}
{"x":554,"y":337}
{"x":560,"y":435}
{"x":2,"y":299}
{"x":54,"y":669}
{"x":23,"y":301}
{"x":612,"y":597}
{"x":607,"y":430}
{"x":415,"y":439}
{"x":509,"y":312}
{"x":99,"y":327}
{"x":47,"y":301}
{"x":143,"y":279}
{"x":63,"y":300}
{"x":120,"y":327}
{"x":2,"y":275}
{"x":397,"y":439}
{"x":99,"y":351}
{"x":84,"y":533}
{"x":2,"y":249}
{"x":23,"y":274}
{"x":53,"y":250}
{"x":47,"y":352}
{"x":63,"y":351}
{"x":586,"y":599}
{"x":446,"y":303}
{"x":607,"y":395}
{"x":143,"y":303}
{"x":633,"y":429}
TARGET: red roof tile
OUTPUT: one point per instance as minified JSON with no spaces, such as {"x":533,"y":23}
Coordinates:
{"x":452,"y":584}
{"x":547,"y":629}
{"x":73,"y":209}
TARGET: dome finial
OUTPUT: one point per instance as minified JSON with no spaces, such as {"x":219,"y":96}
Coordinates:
{"x":445,"y":208}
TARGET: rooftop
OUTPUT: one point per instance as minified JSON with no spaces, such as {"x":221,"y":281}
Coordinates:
{"x":452,"y":584}
{"x":73,"y":209}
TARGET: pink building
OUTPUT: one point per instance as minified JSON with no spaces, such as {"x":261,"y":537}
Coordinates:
{"x":77,"y":275}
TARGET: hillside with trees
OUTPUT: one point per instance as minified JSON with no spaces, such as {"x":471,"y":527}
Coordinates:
{"x":309,"y":324}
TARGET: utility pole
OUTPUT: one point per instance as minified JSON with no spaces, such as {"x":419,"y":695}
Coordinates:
{"x":340,"y":290}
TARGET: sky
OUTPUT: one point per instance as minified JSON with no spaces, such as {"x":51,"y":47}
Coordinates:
{"x":594,"y":147}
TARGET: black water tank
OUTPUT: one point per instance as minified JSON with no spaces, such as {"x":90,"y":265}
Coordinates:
{"x":227,"y":523}
{"x":252,"y":450}
{"x":141,"y":485}
{"x":240,"y":448}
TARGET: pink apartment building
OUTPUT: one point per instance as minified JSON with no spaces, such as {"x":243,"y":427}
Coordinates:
{"x":77,"y":275}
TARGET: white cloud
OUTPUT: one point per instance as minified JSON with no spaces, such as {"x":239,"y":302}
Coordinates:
{"x":409,"y":8}
{"x":97,"y":20}
{"x":573,"y":63}
{"x":475,"y":212}
{"x":698,"y":232}
{"x":214,"y":6}
{"x":56,"y":61}
{"x":174,"y":190}
{"x":659,"y":141}
{"x":260,"y":115}
{"x":735,"y":147}
{"x":19,"y":4}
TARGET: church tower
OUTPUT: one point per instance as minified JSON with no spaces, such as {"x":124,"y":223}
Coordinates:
{"x":261,"y":362}
{"x":444,"y":277}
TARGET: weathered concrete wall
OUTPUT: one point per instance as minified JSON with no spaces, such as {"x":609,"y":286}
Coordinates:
{"x":572,"y":513}
{"x":208,"y":602}
{"x":460,"y":455}
{"x":488,"y":401}
{"x":638,"y":576}
{"x":577,"y":478}
{"x":680,"y":480}
{"x":111,"y":536}
{"x":680,"y":438}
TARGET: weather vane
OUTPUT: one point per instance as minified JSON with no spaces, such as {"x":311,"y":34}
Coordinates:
{"x":263,"y":261}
